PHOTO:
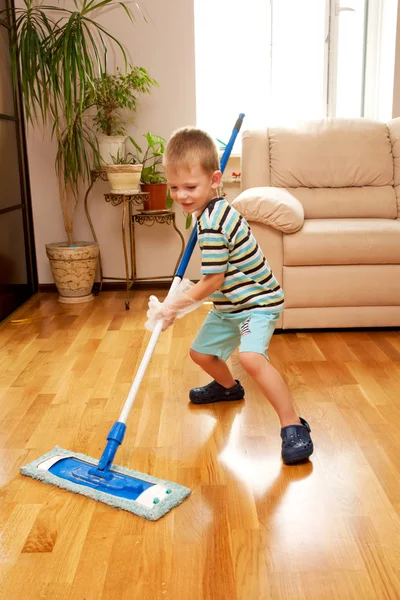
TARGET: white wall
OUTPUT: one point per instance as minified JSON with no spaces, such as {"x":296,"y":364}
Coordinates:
{"x":165,"y":46}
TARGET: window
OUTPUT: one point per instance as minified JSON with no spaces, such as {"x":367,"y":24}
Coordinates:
{"x":347,"y":38}
{"x":284,"y":60}
{"x":232,"y":63}
{"x":298,"y":58}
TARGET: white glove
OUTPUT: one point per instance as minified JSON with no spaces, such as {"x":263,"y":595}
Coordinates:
{"x":175,"y":305}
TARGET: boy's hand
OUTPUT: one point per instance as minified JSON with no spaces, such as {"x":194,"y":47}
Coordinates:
{"x":176,"y":304}
{"x":158,"y":312}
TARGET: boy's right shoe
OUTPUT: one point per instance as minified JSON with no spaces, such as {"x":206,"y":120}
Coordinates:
{"x":214,"y":392}
{"x":297,"y":444}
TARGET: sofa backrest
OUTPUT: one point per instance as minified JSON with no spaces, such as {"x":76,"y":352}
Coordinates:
{"x":339,"y":168}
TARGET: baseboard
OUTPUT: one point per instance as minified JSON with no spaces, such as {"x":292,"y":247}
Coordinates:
{"x":113,"y":286}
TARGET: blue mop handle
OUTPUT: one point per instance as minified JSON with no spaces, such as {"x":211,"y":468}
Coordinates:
{"x":232,"y":140}
{"x":193,"y":236}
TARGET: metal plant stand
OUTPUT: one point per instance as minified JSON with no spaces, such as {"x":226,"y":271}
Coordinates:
{"x":141,"y":217}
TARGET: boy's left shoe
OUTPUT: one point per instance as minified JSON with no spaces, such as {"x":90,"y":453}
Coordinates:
{"x":296,"y":442}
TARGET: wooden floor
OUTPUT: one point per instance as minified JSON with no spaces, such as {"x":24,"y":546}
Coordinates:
{"x":252,"y":529}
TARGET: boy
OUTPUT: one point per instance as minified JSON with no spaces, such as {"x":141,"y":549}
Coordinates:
{"x":247,"y":299}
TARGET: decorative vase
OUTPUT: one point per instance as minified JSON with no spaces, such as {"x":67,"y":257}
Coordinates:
{"x":111,"y":145}
{"x":74,"y":270}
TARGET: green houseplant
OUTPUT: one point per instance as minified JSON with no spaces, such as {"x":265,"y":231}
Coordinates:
{"x":152,"y":178}
{"x":56,"y":55}
{"x":110,"y":94}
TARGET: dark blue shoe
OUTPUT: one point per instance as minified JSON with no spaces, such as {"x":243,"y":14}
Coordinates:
{"x":296,"y":443}
{"x":214,"y":392}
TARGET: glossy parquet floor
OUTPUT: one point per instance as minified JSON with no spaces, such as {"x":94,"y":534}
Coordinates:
{"x":252,"y":529}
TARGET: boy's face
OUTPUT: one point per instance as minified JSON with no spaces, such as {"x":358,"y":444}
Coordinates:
{"x":193,"y":188}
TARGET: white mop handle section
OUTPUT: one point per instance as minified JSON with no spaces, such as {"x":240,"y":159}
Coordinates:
{"x":144,"y":363}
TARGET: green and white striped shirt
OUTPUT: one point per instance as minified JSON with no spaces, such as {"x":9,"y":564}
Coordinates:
{"x":228,"y":246}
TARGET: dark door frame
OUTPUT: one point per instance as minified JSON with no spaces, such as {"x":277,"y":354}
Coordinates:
{"x":26,"y":202}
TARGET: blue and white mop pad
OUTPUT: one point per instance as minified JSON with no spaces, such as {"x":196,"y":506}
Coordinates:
{"x":138,"y":493}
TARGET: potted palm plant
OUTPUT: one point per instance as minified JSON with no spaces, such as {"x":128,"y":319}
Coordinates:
{"x":56,"y":58}
{"x":110,"y":94}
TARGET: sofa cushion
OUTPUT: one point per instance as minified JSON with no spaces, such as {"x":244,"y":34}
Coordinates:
{"x":319,"y":317}
{"x":344,"y":242}
{"x":341,"y":285}
{"x":272,"y":206}
{"x":331,"y":153}
{"x":347,"y":203}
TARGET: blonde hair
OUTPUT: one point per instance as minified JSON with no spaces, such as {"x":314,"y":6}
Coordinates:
{"x":188,"y":146}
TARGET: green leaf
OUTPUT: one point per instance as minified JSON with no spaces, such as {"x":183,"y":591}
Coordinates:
{"x":189,"y":219}
{"x":103,"y":30}
{"x":170,"y":200}
{"x":128,"y":12}
{"x":146,"y":175}
{"x":138,"y":148}
{"x":91,"y":7}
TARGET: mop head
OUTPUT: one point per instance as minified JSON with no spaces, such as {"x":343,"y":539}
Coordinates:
{"x":141,"y":494}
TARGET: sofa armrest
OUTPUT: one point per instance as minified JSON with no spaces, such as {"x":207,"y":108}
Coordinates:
{"x":272,"y":206}
{"x":271,"y":244}
{"x":255,"y":160}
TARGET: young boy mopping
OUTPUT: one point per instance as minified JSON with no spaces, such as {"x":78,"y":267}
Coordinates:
{"x":247,"y":298}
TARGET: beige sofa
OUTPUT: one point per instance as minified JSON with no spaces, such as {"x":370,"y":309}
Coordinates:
{"x":323,"y":200}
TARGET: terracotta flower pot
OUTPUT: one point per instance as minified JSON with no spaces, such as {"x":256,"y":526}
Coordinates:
{"x":158,"y":196}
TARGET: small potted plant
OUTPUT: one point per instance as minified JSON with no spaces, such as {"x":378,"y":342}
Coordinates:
{"x":152,"y":178}
{"x":110,"y":94}
{"x":124,"y":174}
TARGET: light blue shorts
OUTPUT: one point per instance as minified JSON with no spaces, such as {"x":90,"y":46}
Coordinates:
{"x":221,"y":335}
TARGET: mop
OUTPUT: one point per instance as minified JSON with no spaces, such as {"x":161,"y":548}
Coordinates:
{"x":138,"y":493}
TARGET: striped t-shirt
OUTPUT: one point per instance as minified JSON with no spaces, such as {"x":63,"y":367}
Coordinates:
{"x":228,"y":246}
